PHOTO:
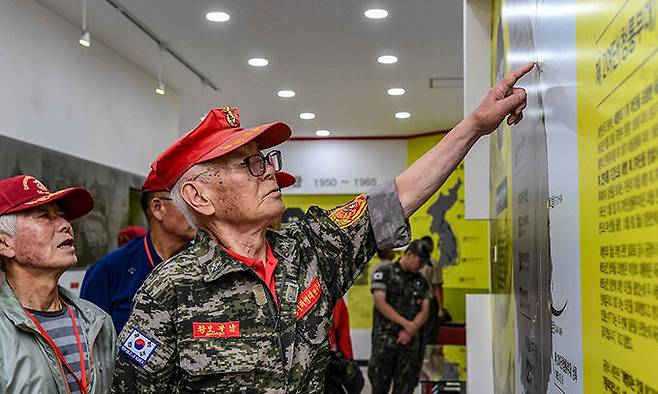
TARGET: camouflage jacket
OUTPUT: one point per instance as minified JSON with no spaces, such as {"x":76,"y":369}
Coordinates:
{"x":405,"y":292}
{"x":204,"y":322}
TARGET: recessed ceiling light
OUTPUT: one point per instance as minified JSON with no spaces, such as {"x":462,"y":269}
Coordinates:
{"x":376,"y":13}
{"x":395,"y":92}
{"x":403,"y":115}
{"x":307,"y":115}
{"x":218,"y":16}
{"x":258,"y":62}
{"x":387,"y":59}
{"x":286,"y":93}
{"x":322,"y":133}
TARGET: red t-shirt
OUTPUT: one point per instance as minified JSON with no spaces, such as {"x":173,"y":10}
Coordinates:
{"x":265,"y":272}
{"x":339,"y":331}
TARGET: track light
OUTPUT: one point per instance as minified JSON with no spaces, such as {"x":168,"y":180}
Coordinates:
{"x":85,"y":39}
{"x":161,"y":88}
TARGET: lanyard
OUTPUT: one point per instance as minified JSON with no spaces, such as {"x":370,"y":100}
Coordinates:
{"x":81,"y":384}
{"x":148,"y":253}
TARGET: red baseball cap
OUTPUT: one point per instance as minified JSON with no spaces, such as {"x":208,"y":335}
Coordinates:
{"x":284,"y":179}
{"x":24,"y":192}
{"x":154,"y":183}
{"x":132,"y":232}
{"x":218,"y":133}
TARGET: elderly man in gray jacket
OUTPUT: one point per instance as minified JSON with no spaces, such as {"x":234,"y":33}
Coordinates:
{"x":52,"y":341}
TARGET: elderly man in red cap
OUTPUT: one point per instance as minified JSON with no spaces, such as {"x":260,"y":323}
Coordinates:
{"x":247,"y":309}
{"x":52,"y":341}
{"x":112,"y":282}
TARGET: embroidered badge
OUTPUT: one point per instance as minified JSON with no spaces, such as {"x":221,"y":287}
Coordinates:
{"x":378,"y":276}
{"x":231,"y":117}
{"x":230,"y":329}
{"x":349,"y":214}
{"x":41,"y":189}
{"x":259,"y":294}
{"x":291,"y":292}
{"x":308,"y":298}
{"x":138,"y":347}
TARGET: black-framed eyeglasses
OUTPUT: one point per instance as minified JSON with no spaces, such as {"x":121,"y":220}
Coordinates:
{"x":257,"y":163}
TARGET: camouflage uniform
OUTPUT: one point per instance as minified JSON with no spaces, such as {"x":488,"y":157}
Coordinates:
{"x":405,"y":292}
{"x":259,"y":347}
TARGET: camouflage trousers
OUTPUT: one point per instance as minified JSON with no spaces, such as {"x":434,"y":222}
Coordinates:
{"x":397,"y":364}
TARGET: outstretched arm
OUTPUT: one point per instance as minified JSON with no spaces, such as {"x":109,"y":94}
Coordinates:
{"x":423,"y":178}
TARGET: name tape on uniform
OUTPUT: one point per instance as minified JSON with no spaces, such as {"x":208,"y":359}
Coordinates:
{"x":230,"y":329}
{"x":308,"y":298}
{"x":138,"y":347}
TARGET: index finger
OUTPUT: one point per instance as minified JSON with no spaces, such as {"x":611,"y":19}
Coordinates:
{"x":515,"y":75}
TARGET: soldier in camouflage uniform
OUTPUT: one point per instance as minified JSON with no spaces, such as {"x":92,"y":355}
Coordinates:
{"x":246,"y":309}
{"x":401,"y":296}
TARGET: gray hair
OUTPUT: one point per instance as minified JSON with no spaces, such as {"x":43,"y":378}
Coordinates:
{"x":179,"y":201}
{"x":8,"y":224}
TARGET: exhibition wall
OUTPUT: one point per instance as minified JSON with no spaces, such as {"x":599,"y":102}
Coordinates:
{"x":91,"y":103}
{"x":573,"y":199}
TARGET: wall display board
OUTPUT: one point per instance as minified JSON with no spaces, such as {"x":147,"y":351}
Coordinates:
{"x":462,"y":244}
{"x":342,"y":167}
{"x":574,"y":199}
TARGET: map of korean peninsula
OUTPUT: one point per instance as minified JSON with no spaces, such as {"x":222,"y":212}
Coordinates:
{"x":448,"y":250}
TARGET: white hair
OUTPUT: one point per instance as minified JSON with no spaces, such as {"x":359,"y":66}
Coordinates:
{"x":8,"y":224}
{"x":179,"y":201}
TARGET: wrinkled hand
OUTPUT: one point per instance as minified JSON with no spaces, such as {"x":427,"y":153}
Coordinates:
{"x":503,"y":99}
{"x":410,"y":327}
{"x":404,"y":337}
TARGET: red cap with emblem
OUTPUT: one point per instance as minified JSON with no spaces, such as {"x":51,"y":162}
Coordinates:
{"x":219,"y":133}
{"x":25,"y":192}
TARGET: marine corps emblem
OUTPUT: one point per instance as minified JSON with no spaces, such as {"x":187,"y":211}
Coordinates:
{"x":349,"y":214}
{"x":231,"y":117}
{"x":41,"y":189}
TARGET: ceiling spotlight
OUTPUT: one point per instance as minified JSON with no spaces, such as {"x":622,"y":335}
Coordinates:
{"x":376,"y":13}
{"x":85,"y":39}
{"x":218,"y":16}
{"x":307,"y":115}
{"x":161,"y":88}
{"x":387,"y":59}
{"x":395,"y":92}
{"x":286,"y":93}
{"x":402,"y":115}
{"x":258,"y":62}
{"x":322,"y":133}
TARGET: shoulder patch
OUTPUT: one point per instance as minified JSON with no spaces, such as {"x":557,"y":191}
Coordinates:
{"x":378,"y":275}
{"x":349,"y":213}
{"x":138,"y":347}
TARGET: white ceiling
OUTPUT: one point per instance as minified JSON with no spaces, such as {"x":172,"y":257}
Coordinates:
{"x":325,"y":50}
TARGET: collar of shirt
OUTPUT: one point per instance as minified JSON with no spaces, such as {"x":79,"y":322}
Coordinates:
{"x":264,"y":271}
{"x":156,"y":257}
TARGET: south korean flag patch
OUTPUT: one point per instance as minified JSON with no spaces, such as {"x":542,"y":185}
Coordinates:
{"x":138,"y":347}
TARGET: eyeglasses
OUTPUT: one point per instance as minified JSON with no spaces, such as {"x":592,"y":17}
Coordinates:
{"x":257,"y":163}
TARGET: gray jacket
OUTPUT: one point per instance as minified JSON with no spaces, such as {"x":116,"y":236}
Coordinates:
{"x":29,"y":365}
